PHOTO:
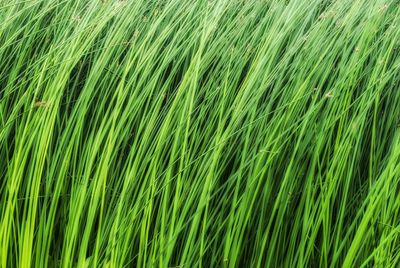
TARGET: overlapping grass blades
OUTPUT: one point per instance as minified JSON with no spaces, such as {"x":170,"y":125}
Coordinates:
{"x":178,"y":133}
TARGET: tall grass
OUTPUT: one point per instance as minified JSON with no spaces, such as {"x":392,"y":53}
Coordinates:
{"x":182,"y":133}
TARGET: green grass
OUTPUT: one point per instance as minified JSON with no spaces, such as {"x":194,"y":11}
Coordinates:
{"x":183,"y":133}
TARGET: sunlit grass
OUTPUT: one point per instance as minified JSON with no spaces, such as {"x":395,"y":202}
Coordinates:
{"x":178,"y":133}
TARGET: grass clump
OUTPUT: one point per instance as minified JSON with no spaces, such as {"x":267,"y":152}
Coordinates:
{"x":178,"y":133}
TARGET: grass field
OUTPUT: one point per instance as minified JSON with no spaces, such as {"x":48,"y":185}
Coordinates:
{"x":193,"y":133}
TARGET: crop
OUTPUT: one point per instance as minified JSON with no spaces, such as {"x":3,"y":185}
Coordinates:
{"x":183,"y":133}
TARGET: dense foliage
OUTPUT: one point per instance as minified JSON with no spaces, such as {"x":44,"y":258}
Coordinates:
{"x":183,"y":133}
